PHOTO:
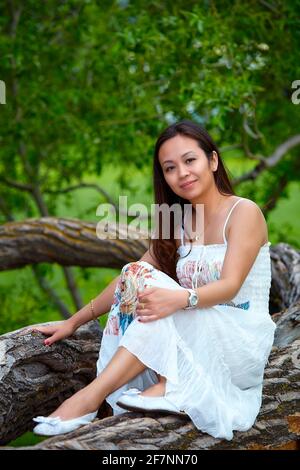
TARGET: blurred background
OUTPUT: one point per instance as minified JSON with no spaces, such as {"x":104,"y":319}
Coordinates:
{"x":90,"y":85}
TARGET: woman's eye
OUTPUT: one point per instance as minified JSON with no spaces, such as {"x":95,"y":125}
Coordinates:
{"x":187,"y":160}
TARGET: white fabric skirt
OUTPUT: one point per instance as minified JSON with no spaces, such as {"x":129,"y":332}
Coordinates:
{"x":213,"y":358}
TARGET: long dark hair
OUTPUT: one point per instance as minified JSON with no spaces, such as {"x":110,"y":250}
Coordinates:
{"x":164,"y":250}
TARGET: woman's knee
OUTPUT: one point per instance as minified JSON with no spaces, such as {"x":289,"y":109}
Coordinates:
{"x":148,"y":275}
{"x":137,"y":270}
{"x":136,"y":265}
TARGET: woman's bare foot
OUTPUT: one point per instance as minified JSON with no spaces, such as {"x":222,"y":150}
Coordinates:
{"x":157,"y":390}
{"x":80,"y":404}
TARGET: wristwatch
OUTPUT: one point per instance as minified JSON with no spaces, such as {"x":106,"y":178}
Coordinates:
{"x":193,"y":299}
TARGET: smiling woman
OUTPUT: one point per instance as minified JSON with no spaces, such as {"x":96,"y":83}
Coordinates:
{"x":187,"y":169}
{"x":189,"y":331}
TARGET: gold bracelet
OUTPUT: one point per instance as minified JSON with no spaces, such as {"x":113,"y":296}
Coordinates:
{"x":92,"y":309}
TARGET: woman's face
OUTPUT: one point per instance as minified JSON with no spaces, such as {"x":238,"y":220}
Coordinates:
{"x":186,"y":168}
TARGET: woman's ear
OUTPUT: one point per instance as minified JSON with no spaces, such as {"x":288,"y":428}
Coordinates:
{"x":214,"y":161}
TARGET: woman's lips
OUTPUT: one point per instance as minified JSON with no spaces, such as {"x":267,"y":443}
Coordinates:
{"x":187,"y":185}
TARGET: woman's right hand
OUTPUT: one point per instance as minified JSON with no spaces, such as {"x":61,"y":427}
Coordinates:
{"x":55,"y":332}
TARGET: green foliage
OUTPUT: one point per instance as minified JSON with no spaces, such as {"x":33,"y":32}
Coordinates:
{"x":283,"y":221}
{"x":91,"y":84}
{"x":22,"y":303}
{"x":105,"y":78}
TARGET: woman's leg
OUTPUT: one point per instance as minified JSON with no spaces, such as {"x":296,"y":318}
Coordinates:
{"x":122,"y":368}
{"x":156,"y":390}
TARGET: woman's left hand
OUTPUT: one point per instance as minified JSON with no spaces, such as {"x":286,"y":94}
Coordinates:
{"x":156,"y":302}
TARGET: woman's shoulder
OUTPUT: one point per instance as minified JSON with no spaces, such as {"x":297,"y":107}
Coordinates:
{"x":248,"y":206}
{"x":249,"y":212}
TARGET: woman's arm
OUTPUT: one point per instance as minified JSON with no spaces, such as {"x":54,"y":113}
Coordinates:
{"x":61,"y":330}
{"x":101,"y":304}
{"x":247,"y":233}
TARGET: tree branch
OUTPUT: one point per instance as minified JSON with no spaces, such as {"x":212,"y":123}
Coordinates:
{"x":82,"y":185}
{"x":269,"y":162}
{"x":30,"y":370}
{"x":276,"y":194}
{"x":282,"y":150}
{"x":69,"y":242}
{"x":43,"y":376}
{"x":70,"y":365}
{"x":42,"y":281}
{"x":16,"y":185}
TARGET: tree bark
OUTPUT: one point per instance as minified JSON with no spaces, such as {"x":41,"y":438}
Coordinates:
{"x":67,"y":242}
{"x":277,"y":426}
{"x":285,"y":289}
{"x":34,"y":379}
{"x":288,"y":326}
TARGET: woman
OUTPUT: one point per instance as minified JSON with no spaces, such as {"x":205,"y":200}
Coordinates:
{"x":195,"y":341}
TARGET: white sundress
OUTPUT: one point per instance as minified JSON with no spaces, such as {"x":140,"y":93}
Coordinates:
{"x":213,"y":358}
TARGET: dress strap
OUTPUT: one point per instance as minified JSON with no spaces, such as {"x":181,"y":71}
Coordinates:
{"x":182,"y":227}
{"x":227,"y":218}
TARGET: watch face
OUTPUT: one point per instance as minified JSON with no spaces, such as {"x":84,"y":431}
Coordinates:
{"x":194,"y":300}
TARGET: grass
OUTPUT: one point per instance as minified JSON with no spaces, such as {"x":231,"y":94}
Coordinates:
{"x":27,"y":439}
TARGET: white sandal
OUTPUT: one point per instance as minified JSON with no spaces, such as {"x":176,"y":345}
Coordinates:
{"x":132,"y":400}
{"x":51,"y":426}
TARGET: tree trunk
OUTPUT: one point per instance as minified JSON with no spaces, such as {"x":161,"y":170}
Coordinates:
{"x":67,"y":242}
{"x":35,"y":379}
{"x":277,"y":426}
{"x":285,"y":290}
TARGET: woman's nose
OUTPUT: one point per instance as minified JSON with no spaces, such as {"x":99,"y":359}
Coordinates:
{"x":182,"y":171}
